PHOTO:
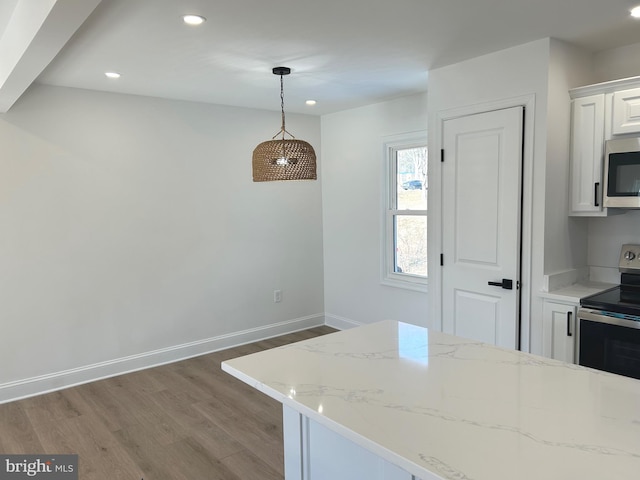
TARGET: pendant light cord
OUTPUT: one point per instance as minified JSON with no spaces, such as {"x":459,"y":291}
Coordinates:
{"x":282,"y":129}
{"x":282,"y":103}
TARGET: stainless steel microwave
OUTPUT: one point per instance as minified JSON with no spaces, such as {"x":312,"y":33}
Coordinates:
{"x":622,"y":173}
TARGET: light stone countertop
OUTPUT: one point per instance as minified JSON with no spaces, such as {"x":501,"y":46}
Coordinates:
{"x":443,"y":407}
{"x":573,"y":293}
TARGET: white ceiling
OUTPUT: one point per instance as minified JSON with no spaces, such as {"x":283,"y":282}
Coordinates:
{"x":343,"y":53}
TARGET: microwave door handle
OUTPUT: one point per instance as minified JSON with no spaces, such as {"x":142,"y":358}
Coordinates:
{"x":596,"y":187}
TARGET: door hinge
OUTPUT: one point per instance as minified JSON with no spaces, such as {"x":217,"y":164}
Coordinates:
{"x":442,"y":259}
{"x":442,"y":155}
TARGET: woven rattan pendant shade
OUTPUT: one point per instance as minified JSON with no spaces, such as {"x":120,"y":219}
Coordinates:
{"x":300,"y":157}
{"x":283,"y":158}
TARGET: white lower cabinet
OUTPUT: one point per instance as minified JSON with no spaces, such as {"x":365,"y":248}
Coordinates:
{"x":315,"y":452}
{"x":559,"y":331}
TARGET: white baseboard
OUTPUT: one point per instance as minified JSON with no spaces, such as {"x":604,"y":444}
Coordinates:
{"x":341,"y":323}
{"x":68,"y":378}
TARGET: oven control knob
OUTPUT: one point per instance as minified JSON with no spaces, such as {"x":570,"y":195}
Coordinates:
{"x":629,"y":255}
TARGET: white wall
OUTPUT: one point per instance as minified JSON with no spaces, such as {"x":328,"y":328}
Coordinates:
{"x":565,"y":237}
{"x":352,"y":173}
{"x":131,"y":225}
{"x":616,"y":63}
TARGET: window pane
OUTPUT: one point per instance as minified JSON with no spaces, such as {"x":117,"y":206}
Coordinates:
{"x":411,"y":244}
{"x":411,"y":168}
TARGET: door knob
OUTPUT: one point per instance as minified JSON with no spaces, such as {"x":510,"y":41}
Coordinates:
{"x":506,"y":283}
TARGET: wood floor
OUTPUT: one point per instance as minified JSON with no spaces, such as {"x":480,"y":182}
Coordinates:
{"x":186,"y":420}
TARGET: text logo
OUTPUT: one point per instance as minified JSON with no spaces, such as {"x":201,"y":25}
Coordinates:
{"x":44,"y":467}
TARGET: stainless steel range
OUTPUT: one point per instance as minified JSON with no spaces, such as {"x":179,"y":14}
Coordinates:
{"x":609,"y":322}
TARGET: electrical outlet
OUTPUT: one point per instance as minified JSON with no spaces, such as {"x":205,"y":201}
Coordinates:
{"x":277,"y":296}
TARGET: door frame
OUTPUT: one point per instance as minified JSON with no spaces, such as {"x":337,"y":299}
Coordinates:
{"x":434,"y":219}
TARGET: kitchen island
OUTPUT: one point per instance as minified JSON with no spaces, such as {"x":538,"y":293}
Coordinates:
{"x":395,"y":401}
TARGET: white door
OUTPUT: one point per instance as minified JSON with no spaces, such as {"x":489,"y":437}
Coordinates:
{"x":481,"y":207}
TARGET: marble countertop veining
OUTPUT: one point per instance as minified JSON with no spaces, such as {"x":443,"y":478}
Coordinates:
{"x":443,"y":407}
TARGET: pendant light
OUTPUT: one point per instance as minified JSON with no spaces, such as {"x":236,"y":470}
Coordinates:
{"x":283,"y":158}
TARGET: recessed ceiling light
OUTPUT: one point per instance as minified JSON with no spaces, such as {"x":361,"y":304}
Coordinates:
{"x":310,"y":102}
{"x":635,"y":12}
{"x":112,"y":74}
{"x":193,"y":19}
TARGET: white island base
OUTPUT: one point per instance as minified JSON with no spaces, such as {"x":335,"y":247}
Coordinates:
{"x":392,"y":401}
{"x":312,"y":451}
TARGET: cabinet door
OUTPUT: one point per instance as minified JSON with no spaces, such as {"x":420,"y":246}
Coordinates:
{"x":558,"y":330}
{"x":626,"y":112}
{"x":587,"y":150}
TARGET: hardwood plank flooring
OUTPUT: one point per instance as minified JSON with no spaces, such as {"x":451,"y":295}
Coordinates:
{"x":186,"y":420}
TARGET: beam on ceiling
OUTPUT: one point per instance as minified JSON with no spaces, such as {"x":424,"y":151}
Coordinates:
{"x":34,"y":35}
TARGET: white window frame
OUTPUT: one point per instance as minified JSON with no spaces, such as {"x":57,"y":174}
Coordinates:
{"x":389,"y":276}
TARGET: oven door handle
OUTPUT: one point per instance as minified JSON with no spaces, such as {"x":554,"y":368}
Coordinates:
{"x":569,"y":315}
{"x":596,"y":316}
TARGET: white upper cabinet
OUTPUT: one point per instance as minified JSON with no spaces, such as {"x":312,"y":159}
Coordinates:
{"x":626,"y":112}
{"x":598,"y":113}
{"x":587,"y":150}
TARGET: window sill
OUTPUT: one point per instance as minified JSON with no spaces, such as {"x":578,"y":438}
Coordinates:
{"x":420,"y":285}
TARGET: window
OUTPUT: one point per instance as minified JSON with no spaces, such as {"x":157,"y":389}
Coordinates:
{"x":405,"y":239}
